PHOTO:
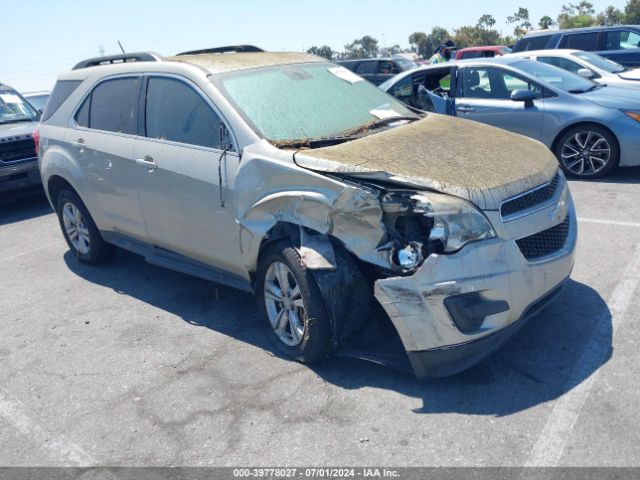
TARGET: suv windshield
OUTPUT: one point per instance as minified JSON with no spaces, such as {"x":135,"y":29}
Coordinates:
{"x":290,"y":103}
{"x":13,"y":108}
{"x":600,"y":62}
{"x":557,"y":77}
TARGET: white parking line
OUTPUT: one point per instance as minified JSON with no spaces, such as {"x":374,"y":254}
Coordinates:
{"x":554,"y":436}
{"x":59,"y":448}
{"x":609,"y":222}
{"x":22,"y":254}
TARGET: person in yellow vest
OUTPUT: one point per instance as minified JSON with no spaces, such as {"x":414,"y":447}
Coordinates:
{"x":442,"y":53}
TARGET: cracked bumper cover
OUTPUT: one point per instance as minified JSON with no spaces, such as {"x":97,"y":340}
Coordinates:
{"x":498,"y":272}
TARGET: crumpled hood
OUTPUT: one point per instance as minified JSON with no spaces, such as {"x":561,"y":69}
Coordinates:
{"x":613,"y":97}
{"x":631,"y":74}
{"x":480,"y":163}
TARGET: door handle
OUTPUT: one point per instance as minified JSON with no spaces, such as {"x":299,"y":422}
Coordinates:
{"x":465,"y":109}
{"x":147,"y":162}
{"x":79,"y":143}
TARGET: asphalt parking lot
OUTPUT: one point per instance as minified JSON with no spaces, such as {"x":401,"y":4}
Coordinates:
{"x":133,"y":365}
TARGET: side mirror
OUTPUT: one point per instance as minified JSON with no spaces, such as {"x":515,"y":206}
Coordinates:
{"x":585,"y":73}
{"x":526,"y":96}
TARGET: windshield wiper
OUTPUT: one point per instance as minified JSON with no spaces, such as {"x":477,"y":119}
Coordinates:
{"x":16,"y":120}
{"x":386,"y":121}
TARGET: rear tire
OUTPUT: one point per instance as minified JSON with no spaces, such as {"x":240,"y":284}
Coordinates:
{"x":80,"y":231}
{"x":587,"y":151}
{"x":296,"y":317}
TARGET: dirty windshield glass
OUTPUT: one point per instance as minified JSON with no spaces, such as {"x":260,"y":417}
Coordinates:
{"x":308,"y":101}
{"x":14,"y":109}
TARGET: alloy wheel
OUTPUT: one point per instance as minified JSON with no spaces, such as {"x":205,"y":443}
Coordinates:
{"x":76,"y":228}
{"x":284,"y":304}
{"x":585,"y":153}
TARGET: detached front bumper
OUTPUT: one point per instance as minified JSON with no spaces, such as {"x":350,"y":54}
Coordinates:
{"x":458,"y":308}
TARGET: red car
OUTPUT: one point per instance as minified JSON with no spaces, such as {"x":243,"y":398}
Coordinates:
{"x":482,"y":52}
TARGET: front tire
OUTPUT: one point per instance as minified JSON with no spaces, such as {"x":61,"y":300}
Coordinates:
{"x":80,"y":231}
{"x":587,"y":151}
{"x":288,"y":295}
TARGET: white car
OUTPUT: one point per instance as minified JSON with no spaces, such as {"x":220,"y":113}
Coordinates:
{"x":588,"y":65}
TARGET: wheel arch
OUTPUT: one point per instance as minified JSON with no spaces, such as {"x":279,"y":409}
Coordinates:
{"x":334,"y":270}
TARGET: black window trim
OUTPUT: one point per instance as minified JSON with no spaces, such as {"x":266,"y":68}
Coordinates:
{"x":74,"y":123}
{"x":142,"y":111}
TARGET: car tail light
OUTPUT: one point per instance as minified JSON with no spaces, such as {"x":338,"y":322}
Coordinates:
{"x":36,"y":140}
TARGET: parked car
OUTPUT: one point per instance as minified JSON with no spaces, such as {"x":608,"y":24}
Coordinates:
{"x":38,"y":99}
{"x":587,"y":65}
{"x":291,"y":177}
{"x":482,"y":52}
{"x":18,"y":160}
{"x":590,"y":128}
{"x":377,"y":70}
{"x":620,"y":43}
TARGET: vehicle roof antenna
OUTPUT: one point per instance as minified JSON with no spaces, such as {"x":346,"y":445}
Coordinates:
{"x":120,"y":45}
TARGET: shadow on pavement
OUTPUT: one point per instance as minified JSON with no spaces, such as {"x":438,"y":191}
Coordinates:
{"x":535,"y":367}
{"x":16,"y":207}
{"x":628,"y":175}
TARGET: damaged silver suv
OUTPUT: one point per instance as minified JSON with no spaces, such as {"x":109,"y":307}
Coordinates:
{"x":288,"y":176}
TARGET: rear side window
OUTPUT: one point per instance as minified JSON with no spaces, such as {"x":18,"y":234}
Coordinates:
{"x":61,"y":91}
{"x":581,"y":41}
{"x":367,"y":68}
{"x":536,"y":42}
{"x":176,"y":112}
{"x":467,"y":55}
{"x":111,"y":106}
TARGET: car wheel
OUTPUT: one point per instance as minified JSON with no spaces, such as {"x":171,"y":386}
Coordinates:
{"x":80,"y":231}
{"x":587,"y":151}
{"x":297,"y":321}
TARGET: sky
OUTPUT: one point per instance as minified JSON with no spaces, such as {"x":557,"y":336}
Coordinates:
{"x":49,"y":37}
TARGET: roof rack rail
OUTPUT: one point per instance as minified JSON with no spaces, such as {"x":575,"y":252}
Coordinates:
{"x":230,"y":49}
{"x":122,"y":58}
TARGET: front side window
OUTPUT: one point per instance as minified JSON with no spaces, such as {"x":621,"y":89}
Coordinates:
{"x":563,"y":63}
{"x":177,"y":113}
{"x":494,"y":83}
{"x":111,"y":106}
{"x":623,"y":40}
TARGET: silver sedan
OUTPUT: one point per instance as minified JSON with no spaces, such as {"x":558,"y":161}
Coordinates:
{"x":591,"y":128}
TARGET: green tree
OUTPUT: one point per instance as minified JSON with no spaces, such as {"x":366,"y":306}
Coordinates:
{"x":577,"y":15}
{"x":323,"y":51}
{"x":611,"y":16}
{"x":365,"y":47}
{"x":479,"y":34}
{"x":419,"y":42}
{"x":521,"y":20}
{"x":545,"y":22}
{"x":486,"y":21}
{"x":632,"y":12}
{"x":424,"y":44}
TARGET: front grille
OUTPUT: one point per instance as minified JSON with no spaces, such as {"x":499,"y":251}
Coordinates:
{"x":530,"y":199}
{"x":546,"y":242}
{"x":17,"y":150}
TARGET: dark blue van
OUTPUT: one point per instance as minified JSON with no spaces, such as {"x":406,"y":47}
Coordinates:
{"x":620,"y":43}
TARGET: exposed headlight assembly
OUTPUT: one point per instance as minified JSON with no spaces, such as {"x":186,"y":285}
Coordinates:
{"x":456,"y":222}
